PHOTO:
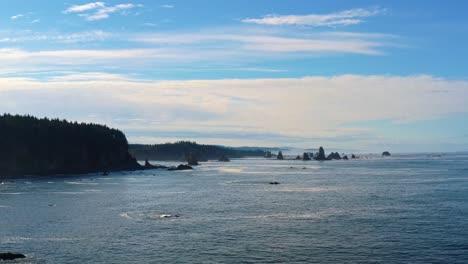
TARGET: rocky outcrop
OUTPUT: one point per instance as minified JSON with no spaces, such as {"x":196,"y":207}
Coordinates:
{"x":298,"y":157}
{"x":280,"y":156}
{"x":274,"y":183}
{"x":11,"y":256}
{"x":353,"y":156}
{"x":334,"y":156}
{"x":192,"y":160}
{"x":321,"y":154}
{"x":149,"y":166}
{"x":305,"y":156}
{"x":180,"y":167}
{"x":345,"y":157}
{"x":268,"y":154}
{"x":224,"y":159}
{"x":386,"y":154}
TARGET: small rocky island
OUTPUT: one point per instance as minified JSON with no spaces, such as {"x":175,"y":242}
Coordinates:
{"x":386,"y":154}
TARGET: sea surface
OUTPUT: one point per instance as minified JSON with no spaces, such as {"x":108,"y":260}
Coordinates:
{"x":403,"y":209}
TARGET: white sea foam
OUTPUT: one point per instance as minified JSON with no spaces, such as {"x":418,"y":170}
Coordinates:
{"x":230,"y":170}
{"x":125,"y":215}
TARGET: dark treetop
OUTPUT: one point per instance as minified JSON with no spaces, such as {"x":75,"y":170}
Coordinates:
{"x":32,"y":146}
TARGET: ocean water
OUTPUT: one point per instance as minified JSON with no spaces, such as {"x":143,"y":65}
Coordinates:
{"x":406,"y":209}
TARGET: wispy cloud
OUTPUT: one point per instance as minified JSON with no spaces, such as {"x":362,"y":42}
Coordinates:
{"x":85,"y":7}
{"x":343,"y":18}
{"x":27,"y":36}
{"x":100,"y":10}
{"x":167,"y":6}
{"x":35,"y":21}
{"x":16,"y":16}
{"x":318,"y":43}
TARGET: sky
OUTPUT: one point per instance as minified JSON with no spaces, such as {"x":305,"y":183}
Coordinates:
{"x":361,"y":76}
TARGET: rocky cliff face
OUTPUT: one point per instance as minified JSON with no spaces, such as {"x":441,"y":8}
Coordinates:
{"x":31,"y":146}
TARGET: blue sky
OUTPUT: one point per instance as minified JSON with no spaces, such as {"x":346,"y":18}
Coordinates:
{"x":352,"y":75}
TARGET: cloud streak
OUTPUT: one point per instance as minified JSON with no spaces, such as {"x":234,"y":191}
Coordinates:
{"x":343,"y":18}
{"x":100,"y":10}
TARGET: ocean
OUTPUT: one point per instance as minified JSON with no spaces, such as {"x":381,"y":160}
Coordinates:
{"x":403,"y":209}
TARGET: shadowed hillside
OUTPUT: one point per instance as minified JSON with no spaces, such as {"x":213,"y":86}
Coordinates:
{"x":32,"y":146}
{"x":181,"y":150}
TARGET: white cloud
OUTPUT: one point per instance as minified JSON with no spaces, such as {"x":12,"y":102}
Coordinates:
{"x":100,"y":10}
{"x":16,"y":16}
{"x":319,"y":43}
{"x":306,"y":108}
{"x":167,"y":6}
{"x":343,"y":18}
{"x":35,"y":21}
{"x":85,"y":7}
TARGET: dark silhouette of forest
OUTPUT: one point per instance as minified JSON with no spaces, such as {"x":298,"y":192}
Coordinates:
{"x":32,"y":146}
{"x":182,"y":150}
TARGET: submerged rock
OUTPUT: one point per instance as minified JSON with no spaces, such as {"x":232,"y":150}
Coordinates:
{"x":386,"y":154}
{"x":274,"y":183}
{"x":11,"y":256}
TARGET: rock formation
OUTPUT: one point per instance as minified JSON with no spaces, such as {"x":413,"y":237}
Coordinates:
{"x":268,"y":154}
{"x":280,"y":156}
{"x":298,"y":157}
{"x":305,"y":156}
{"x":180,"y":167}
{"x":334,"y":156}
{"x":386,"y":154}
{"x":321,"y":154}
{"x":192,"y":160}
{"x":11,"y":256}
{"x":224,"y":159}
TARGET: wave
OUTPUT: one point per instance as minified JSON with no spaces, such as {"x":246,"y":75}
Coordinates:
{"x":142,"y":216}
{"x":308,"y":189}
{"x":82,"y":183}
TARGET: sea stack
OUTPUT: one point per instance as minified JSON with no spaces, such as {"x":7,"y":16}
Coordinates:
{"x":334,"y":156}
{"x":386,"y":154}
{"x":280,"y":156}
{"x":321,"y":154}
{"x":305,"y":156}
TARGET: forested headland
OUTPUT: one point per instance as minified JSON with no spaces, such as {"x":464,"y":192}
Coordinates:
{"x":33,"y":146}
{"x":182,"y":150}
